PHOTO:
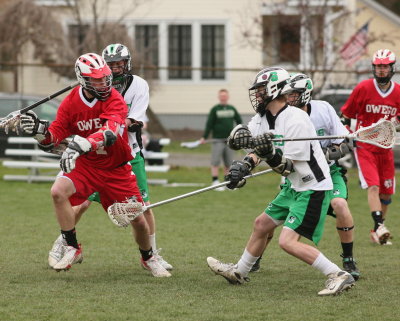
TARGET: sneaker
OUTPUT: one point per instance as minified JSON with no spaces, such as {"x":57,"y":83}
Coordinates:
{"x":349,"y":265}
{"x":382,"y":233}
{"x":155,"y":267}
{"x":161,"y":260}
{"x":228,"y":271}
{"x":256,"y":266}
{"x":57,"y":251}
{"x":337,"y":283}
{"x":218,"y":189}
{"x":71,"y":256}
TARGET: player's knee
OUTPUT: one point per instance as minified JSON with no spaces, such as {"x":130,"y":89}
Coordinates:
{"x":386,"y":201}
{"x":139,"y":224}
{"x":260,"y":225}
{"x":339,"y":206}
{"x":59,"y":193}
{"x":373,"y":189}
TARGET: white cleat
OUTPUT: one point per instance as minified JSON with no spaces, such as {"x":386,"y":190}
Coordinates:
{"x":383,"y":234}
{"x":337,"y":283}
{"x":154,"y":266}
{"x":71,"y":256}
{"x":57,"y":251}
{"x":228,"y":271}
{"x":161,"y":260}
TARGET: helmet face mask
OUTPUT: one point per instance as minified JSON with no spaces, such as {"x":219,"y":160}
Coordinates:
{"x":301,"y":84}
{"x":267,"y":86}
{"x":94,"y":75}
{"x":118,"y":57}
{"x":380,"y":58}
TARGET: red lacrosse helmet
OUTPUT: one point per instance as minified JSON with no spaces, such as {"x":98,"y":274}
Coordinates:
{"x":383,"y":57}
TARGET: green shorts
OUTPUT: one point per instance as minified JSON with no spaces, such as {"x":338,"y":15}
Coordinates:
{"x":138,"y":167}
{"x":303,"y":212}
{"x":339,"y":185}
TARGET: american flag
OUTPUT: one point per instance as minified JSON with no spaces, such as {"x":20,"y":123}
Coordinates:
{"x":356,"y":46}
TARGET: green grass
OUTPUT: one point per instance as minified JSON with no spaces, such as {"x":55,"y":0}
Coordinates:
{"x":111,"y":285}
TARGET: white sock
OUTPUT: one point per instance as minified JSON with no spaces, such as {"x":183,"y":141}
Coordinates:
{"x":324,"y":265}
{"x":246,"y":262}
{"x":152,"y":238}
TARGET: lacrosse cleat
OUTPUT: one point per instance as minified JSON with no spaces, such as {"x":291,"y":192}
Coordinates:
{"x":57,"y":251}
{"x":71,"y":256}
{"x":161,"y":260}
{"x":228,"y":271}
{"x":349,"y":265}
{"x":383,"y":234}
{"x":337,"y":283}
{"x":155,"y":267}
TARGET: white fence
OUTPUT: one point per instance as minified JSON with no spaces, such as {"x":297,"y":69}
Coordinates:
{"x":40,"y":160}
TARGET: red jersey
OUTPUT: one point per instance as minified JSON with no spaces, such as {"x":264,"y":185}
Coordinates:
{"x":367,"y":104}
{"x":78,"y":116}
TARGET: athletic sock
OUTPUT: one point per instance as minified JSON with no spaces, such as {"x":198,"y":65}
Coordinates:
{"x":70,"y":238}
{"x":146,"y":254}
{"x":347,"y":249}
{"x":324,"y":265}
{"x":246,"y":262}
{"x":378,"y":218}
{"x":214,"y":178}
{"x":152,"y":238}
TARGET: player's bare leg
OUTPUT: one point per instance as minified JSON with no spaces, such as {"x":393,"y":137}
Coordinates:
{"x":345,"y":229}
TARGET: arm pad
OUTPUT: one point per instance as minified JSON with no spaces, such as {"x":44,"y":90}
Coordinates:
{"x":280,"y":164}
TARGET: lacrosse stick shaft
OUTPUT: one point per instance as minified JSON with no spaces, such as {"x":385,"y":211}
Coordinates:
{"x":58,"y":93}
{"x":202,"y":190}
{"x":312,"y":138}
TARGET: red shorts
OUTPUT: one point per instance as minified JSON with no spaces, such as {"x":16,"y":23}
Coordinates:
{"x":116,"y":185}
{"x":376,"y":169}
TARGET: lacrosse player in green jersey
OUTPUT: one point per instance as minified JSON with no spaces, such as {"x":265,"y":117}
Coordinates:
{"x":301,"y":206}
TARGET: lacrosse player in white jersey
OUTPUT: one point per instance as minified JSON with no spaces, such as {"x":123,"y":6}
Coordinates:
{"x":302,"y":204}
{"x":135,"y":91}
{"x":327,"y":122}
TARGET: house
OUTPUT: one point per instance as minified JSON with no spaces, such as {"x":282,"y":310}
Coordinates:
{"x":197,"y":48}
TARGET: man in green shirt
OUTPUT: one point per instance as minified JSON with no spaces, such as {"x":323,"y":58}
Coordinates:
{"x":222,"y":118}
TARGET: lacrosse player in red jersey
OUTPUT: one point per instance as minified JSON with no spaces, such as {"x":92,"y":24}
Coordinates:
{"x":370,"y":101}
{"x":95,"y":160}
{"x":302,"y":203}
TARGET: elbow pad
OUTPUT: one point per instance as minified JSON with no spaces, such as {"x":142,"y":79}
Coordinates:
{"x":280,"y":164}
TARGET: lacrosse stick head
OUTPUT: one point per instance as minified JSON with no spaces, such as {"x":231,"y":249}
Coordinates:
{"x":381,"y":134}
{"x":121,"y":214}
{"x":191,"y":144}
{"x":10,"y":122}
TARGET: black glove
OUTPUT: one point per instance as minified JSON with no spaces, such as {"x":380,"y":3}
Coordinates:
{"x":240,"y":137}
{"x":237,"y":171}
{"x":263,"y":146}
{"x":135,"y":126}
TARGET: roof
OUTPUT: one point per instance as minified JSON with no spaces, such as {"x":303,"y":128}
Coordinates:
{"x":382,"y":10}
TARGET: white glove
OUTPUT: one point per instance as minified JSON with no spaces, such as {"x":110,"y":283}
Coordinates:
{"x":31,"y":125}
{"x":77,"y":147}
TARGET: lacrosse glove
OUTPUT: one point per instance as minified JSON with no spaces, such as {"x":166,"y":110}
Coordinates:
{"x":240,"y":138}
{"x":237,"y":171}
{"x":77,"y":147}
{"x":263,"y":146}
{"x":31,"y":125}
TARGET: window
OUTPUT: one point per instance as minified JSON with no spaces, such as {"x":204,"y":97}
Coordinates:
{"x":77,"y":35}
{"x":212,"y":51}
{"x":180,"y":51}
{"x":146,"y":45}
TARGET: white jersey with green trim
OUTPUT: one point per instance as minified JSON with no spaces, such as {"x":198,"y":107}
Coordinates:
{"x":326,"y":122}
{"x":311,"y":171}
{"x":136,"y":97}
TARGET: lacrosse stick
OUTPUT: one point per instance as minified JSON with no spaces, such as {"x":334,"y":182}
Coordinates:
{"x":10,"y":122}
{"x":122,"y":213}
{"x":197,"y":143}
{"x":381,"y":134}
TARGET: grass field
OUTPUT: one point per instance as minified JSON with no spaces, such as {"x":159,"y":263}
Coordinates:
{"x":111,"y":285}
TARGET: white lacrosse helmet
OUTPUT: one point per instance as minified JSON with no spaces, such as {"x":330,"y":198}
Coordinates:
{"x":267,"y":86}
{"x":92,"y":66}
{"x":384,"y":57}
{"x":302,"y":84}
{"x":118,"y":52}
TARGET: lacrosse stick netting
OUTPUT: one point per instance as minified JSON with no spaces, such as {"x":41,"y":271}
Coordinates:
{"x":381,"y":134}
{"x":122,"y":213}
